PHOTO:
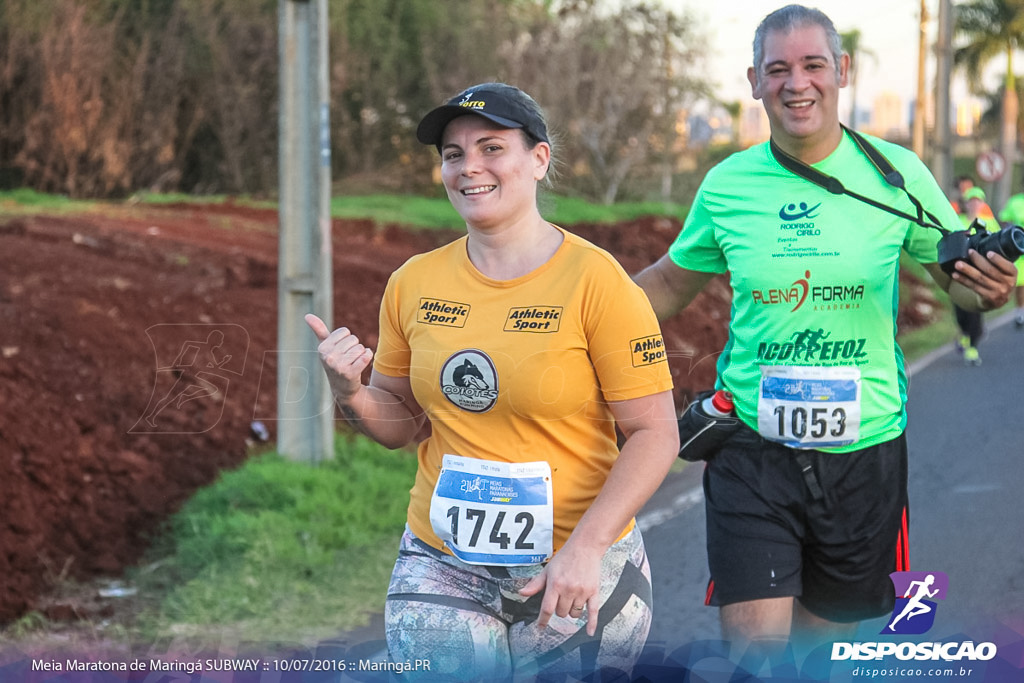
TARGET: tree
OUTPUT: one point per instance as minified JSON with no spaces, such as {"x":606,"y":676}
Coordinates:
{"x":392,"y":61}
{"x":106,"y":97}
{"x":234,"y":47}
{"x":614,"y":81}
{"x":851,"y":46}
{"x":993,"y":29}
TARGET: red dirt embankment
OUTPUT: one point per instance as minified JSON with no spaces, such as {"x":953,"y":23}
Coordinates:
{"x":136,"y":350}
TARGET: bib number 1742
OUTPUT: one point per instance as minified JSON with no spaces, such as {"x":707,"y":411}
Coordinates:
{"x":495,"y":513}
{"x":498,"y":534}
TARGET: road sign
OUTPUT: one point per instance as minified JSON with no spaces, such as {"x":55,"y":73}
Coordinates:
{"x":990,"y":166}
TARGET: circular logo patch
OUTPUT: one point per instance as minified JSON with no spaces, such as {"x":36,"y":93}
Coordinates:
{"x":469,"y":380}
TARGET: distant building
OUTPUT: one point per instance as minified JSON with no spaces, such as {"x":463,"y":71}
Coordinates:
{"x":888,"y":119}
{"x":753,"y":124}
{"x":699,"y":129}
{"x":968,"y":115}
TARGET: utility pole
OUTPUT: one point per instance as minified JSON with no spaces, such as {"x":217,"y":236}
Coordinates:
{"x":942,"y":155}
{"x":305,"y":408}
{"x":919,"y":107}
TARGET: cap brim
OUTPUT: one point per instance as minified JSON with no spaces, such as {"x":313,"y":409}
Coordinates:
{"x":432,"y":126}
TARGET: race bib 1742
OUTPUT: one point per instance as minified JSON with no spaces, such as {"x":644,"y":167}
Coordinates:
{"x":494,"y":512}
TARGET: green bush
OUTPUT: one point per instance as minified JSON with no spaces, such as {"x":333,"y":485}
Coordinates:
{"x":279,"y":548}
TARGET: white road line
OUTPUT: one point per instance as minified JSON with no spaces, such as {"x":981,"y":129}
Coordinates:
{"x":684,"y":501}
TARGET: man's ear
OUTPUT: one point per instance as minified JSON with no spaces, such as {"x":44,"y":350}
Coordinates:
{"x":844,"y":70}
{"x":755,"y":88}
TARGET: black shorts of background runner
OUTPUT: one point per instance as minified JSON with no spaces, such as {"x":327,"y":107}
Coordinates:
{"x":830,"y":541}
{"x":971,"y":323}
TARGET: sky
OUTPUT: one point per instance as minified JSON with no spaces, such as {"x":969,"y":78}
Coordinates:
{"x":889,"y":32}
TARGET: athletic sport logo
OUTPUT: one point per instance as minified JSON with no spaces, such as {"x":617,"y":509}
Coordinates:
{"x":469,"y":380}
{"x":648,"y":350}
{"x":914,"y":612}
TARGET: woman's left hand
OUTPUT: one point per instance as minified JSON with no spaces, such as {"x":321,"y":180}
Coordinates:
{"x":571,"y":583}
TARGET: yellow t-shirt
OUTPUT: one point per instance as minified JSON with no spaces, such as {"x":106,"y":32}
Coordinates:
{"x":521,"y":370}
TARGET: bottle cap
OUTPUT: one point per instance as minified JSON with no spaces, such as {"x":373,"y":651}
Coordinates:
{"x":722,"y":401}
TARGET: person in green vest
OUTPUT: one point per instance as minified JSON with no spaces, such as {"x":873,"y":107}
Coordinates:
{"x":1013,"y":213}
{"x":971,"y":323}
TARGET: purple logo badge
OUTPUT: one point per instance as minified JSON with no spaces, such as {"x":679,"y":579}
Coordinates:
{"x":914,"y":612}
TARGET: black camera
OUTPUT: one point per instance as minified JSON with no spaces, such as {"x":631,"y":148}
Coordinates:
{"x":953,"y":247}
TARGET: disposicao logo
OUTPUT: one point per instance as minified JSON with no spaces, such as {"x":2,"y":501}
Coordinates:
{"x":914,"y":612}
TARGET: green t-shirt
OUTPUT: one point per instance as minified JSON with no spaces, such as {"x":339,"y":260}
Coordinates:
{"x":1013,"y":212}
{"x":812,"y":348}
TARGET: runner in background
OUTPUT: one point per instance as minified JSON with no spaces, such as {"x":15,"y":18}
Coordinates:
{"x":1013,"y":213}
{"x":971,"y":324}
{"x":961,"y":185}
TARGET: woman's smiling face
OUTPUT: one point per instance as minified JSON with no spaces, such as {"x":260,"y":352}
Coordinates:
{"x":488,"y":171}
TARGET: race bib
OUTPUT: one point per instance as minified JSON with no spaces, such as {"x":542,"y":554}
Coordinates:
{"x":494,"y":512}
{"x":809,"y":407}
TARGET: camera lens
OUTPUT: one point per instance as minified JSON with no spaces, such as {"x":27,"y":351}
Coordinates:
{"x":1008,"y":243}
{"x":1012,"y":245}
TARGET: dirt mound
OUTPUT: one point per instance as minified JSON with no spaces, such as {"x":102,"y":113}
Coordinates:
{"x":136,"y":352}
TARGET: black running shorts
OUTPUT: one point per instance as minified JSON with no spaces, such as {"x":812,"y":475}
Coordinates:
{"x":831,"y":541}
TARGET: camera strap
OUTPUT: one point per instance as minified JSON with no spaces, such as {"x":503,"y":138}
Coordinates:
{"x":881,"y":164}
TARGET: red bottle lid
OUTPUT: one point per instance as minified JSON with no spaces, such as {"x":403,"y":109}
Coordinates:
{"x":722,"y":401}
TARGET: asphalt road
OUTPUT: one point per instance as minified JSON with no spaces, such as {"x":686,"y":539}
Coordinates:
{"x":966,"y":443}
{"x":966,"y":446}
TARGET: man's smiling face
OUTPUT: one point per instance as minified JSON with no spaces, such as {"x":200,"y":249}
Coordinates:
{"x":798,"y":82}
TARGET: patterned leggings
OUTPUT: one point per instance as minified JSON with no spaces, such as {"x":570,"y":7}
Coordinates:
{"x":471,"y":623}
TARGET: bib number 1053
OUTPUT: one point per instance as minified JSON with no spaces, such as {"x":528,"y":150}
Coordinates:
{"x":809,"y":407}
{"x":494,"y":513}
{"x":816,"y":423}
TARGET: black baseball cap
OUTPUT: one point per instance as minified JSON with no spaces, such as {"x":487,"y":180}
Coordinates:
{"x":503,"y":104}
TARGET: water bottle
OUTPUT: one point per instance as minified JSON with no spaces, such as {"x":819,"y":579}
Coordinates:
{"x":706,"y":424}
{"x":719,"y":404}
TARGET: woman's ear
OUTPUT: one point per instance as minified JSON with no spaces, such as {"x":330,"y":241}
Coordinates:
{"x":542,"y":159}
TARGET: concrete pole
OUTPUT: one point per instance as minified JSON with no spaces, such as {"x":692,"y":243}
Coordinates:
{"x":305,"y":408}
{"x":919,"y":106}
{"x":942,"y":155}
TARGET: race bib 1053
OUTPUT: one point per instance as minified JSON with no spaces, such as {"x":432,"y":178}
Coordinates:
{"x":809,"y":407}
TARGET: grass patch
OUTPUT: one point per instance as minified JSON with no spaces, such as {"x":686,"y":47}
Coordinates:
{"x":414,"y":211}
{"x":923,"y":340}
{"x":570,"y":210}
{"x":408,"y":210}
{"x":437,"y":212}
{"x":918,"y":342}
{"x":24,"y":200}
{"x":157,"y":198}
{"x":280,"y":551}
